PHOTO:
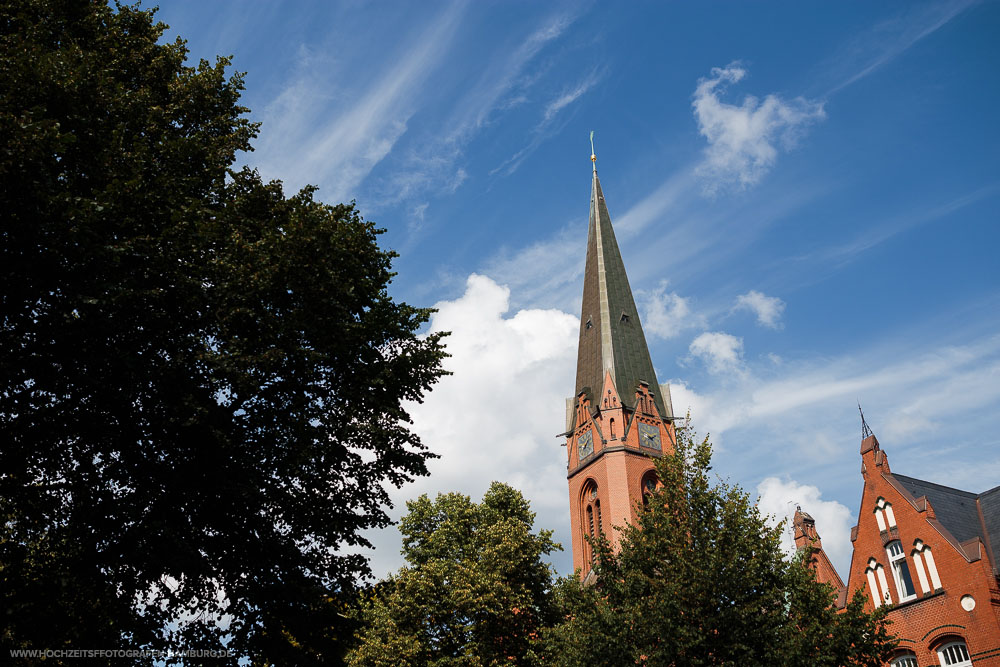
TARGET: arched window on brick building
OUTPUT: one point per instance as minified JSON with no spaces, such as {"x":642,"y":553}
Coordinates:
{"x":592,"y":519}
{"x":954,"y":653}
{"x":648,"y":485}
{"x":905,"y":659}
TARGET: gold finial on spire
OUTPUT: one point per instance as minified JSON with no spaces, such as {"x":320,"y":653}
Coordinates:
{"x":593,"y":153}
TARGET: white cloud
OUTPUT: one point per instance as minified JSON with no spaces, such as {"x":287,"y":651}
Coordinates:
{"x":920,"y":400}
{"x":432,"y":164}
{"x":721,"y":352}
{"x":569,"y":96}
{"x":541,"y":131}
{"x":768,"y":309}
{"x":885,"y":41}
{"x":666,"y":314}
{"x":743,"y":141}
{"x":877,"y":232}
{"x":501,"y":76}
{"x":778,"y":499}
{"x":709,"y":415}
{"x":319,"y":132}
{"x":549,"y":271}
{"x":497,"y":416}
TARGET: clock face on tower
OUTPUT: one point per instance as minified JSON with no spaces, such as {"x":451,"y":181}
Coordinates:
{"x":585,"y":444}
{"x":649,"y":436}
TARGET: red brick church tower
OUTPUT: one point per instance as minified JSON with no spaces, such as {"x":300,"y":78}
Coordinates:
{"x":619,"y":418}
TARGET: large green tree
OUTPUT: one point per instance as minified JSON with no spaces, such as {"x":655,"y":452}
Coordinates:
{"x":701,"y":579}
{"x":203,"y":381}
{"x":475,"y":590}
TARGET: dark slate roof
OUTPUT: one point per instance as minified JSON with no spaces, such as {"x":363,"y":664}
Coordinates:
{"x":989,"y":506}
{"x":611,"y":337}
{"x":966,"y":515}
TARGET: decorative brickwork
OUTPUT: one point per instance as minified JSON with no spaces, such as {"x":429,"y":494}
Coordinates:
{"x":929,"y":556}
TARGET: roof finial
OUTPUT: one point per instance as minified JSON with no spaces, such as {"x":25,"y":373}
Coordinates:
{"x":593,"y":153}
{"x":865,"y":430}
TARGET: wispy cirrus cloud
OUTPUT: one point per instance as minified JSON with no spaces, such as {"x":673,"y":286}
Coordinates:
{"x":878,"y":232}
{"x":910,"y":393}
{"x":744,"y":140}
{"x":434,"y":164}
{"x":547,"y":273}
{"x":321,"y":132}
{"x":568,"y":97}
{"x":887,"y":40}
{"x":504,"y":83}
{"x":550,"y":113}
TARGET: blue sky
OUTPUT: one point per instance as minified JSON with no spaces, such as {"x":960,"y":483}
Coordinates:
{"x":805,"y":196}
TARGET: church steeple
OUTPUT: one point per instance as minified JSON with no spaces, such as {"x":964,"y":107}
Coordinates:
{"x":611,"y":338}
{"x":619,"y":420}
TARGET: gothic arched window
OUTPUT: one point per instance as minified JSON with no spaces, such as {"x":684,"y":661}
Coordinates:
{"x":592,"y":525}
{"x":647,"y":486}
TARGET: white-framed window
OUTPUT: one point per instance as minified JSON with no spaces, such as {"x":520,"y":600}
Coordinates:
{"x":905,"y":660}
{"x":900,"y":571}
{"x":954,"y":654}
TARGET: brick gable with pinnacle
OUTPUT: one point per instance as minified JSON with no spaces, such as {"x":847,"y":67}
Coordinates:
{"x":927,"y":551}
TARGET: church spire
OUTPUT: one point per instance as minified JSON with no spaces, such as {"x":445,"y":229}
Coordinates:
{"x":611,"y":338}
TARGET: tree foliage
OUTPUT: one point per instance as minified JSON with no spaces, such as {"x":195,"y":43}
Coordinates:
{"x":203,"y":382}
{"x":700,"y":579}
{"x":475,"y":590}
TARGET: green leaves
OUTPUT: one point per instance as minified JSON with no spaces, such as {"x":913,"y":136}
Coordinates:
{"x":203,"y":379}
{"x":701,"y":580}
{"x":476,"y":591}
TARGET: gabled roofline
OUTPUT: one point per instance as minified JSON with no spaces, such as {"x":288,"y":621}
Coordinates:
{"x":922,"y":504}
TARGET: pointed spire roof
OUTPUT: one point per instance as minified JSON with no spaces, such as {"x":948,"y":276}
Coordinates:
{"x":611,"y":338}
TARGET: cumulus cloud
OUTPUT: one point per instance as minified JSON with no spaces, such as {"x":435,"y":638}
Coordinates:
{"x":768,"y":309}
{"x":711,"y":414}
{"x":743,"y":141}
{"x":666,"y":314}
{"x":778,"y":499}
{"x":721,"y":352}
{"x":496,"y":416}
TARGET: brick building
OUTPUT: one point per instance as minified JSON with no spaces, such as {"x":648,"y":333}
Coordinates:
{"x":930,"y":552}
{"x":619,"y":418}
